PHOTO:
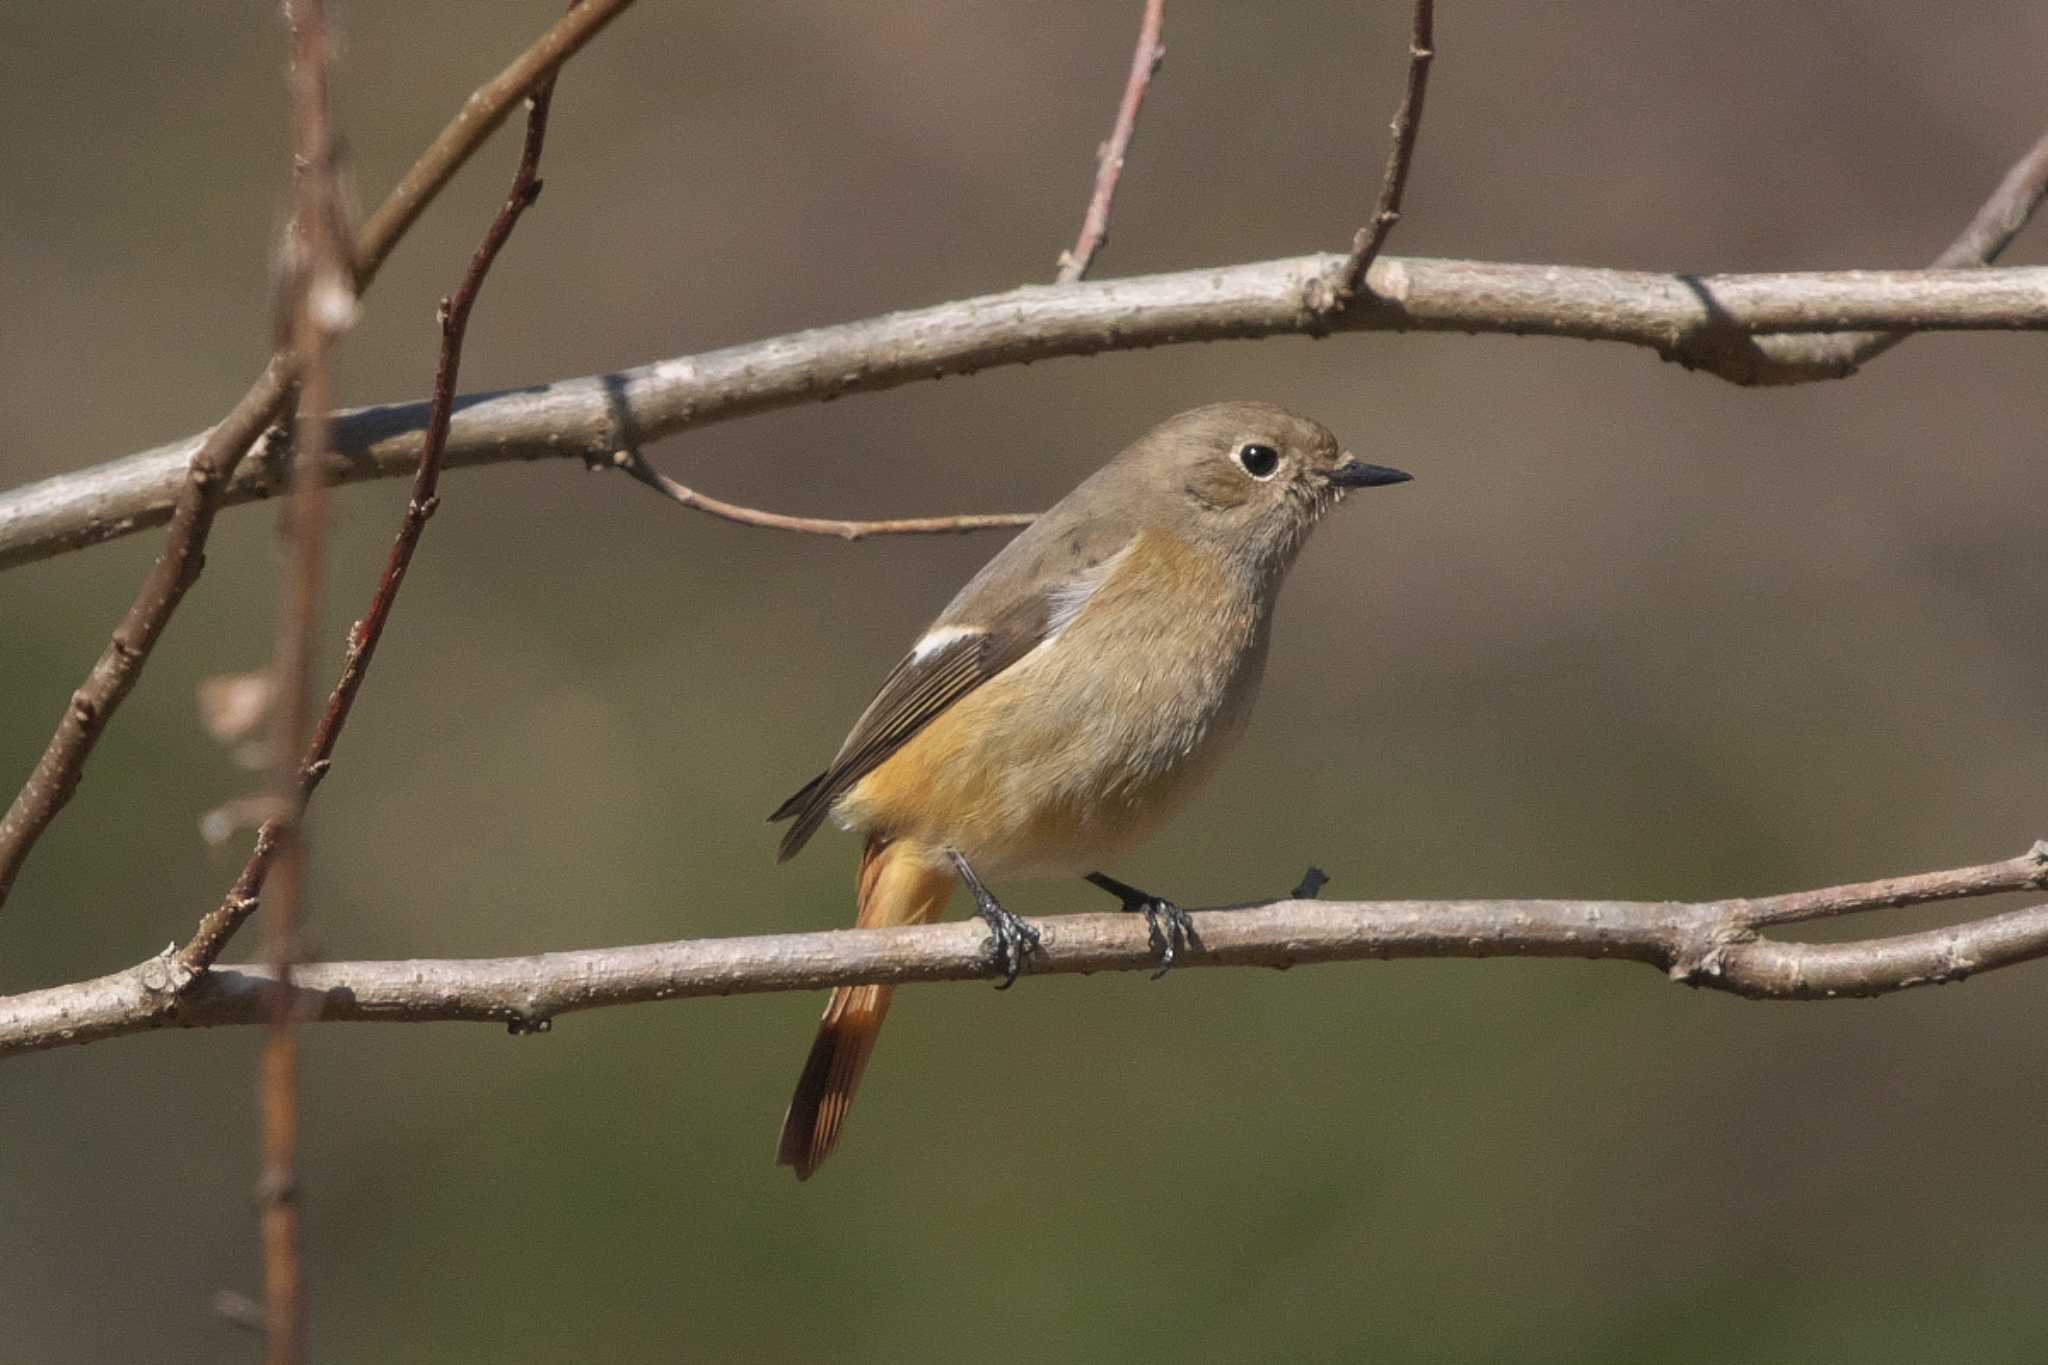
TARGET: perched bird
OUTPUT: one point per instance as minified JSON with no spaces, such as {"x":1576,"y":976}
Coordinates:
{"x":1067,"y":701}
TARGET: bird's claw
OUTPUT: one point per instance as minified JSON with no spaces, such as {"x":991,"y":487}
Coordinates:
{"x":1010,"y":940}
{"x":1170,"y":928}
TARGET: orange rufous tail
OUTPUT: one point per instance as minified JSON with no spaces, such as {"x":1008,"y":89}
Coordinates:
{"x":897,"y":886}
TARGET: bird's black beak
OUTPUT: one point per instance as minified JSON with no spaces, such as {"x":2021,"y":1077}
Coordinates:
{"x":1353,"y":472}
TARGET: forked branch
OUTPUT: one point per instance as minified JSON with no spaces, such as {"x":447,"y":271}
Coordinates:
{"x":1406,"y":128}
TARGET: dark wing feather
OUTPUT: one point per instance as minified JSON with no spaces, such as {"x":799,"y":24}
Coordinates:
{"x":915,"y":692}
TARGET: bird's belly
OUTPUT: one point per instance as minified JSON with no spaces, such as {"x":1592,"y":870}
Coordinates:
{"x":1067,"y":759}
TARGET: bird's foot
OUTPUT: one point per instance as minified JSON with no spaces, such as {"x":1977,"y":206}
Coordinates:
{"x":1171,"y":928}
{"x":1010,"y":938}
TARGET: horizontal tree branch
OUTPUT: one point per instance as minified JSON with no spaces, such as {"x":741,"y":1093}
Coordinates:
{"x":1710,"y":943}
{"x":1727,"y":325}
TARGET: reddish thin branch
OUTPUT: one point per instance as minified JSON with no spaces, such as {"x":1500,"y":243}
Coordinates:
{"x":55,"y":778}
{"x":1109,"y":168}
{"x":635,"y":464}
{"x":1407,"y":125}
{"x":323,"y":304}
{"x":242,"y":898}
{"x":1710,"y":944}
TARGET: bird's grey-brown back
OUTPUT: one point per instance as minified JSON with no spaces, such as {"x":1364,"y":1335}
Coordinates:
{"x":1182,"y":477}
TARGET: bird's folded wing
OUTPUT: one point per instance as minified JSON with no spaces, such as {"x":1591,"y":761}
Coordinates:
{"x":949,"y":662}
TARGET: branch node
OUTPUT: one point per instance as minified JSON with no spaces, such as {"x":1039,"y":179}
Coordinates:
{"x":1407,"y":123}
{"x":1700,"y":958}
{"x":164,"y":974}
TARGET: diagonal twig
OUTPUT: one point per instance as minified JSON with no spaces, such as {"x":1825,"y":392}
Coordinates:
{"x":635,"y":465}
{"x":214,"y":463}
{"x":1982,"y":241}
{"x":1406,"y":127}
{"x":1109,"y":167}
{"x":1710,"y":944}
{"x":219,"y":924}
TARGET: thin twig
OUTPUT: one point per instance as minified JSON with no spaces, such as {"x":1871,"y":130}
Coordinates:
{"x":1982,"y":241}
{"x":633,"y":463}
{"x":243,"y":898}
{"x":1710,"y":944}
{"x":216,"y":457}
{"x":487,"y":107}
{"x":1109,"y":167}
{"x":1407,"y":125}
{"x":2024,"y":873}
{"x":322,"y":306}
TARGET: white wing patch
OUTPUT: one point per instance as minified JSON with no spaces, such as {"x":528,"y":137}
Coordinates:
{"x":938,"y":639}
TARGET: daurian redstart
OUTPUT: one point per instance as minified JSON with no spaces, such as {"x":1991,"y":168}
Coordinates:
{"x":1068,"y":700}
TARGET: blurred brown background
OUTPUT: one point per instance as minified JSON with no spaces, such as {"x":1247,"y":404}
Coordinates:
{"x":1631,"y":632}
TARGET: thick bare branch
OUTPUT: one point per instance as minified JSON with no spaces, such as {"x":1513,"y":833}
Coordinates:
{"x":1711,"y":943}
{"x":211,"y":461}
{"x":1406,"y":127}
{"x":1715,"y":323}
{"x":635,"y":465}
{"x":1109,"y":167}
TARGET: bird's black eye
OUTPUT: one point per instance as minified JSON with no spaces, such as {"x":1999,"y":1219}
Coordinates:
{"x":1259,"y":461}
